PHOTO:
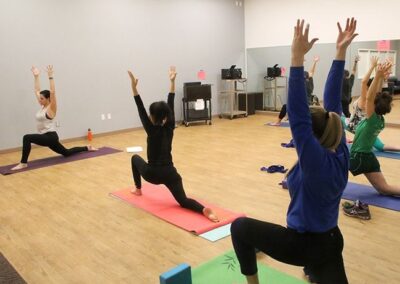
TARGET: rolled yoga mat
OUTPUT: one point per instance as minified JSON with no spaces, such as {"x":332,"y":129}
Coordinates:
{"x":367,"y":194}
{"x":56,"y":160}
{"x":225,"y":269}
{"x":157,"y":200}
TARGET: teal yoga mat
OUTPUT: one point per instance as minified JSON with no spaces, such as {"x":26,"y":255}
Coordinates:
{"x":218,"y":233}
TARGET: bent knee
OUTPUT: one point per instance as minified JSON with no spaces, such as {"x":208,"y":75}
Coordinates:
{"x":135,"y":157}
{"x":26,"y":138}
{"x":238,"y":225}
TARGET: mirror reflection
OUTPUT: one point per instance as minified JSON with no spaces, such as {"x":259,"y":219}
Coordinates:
{"x":273,"y":90}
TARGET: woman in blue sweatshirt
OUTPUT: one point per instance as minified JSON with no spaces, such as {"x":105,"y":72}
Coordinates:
{"x":159,"y":126}
{"x":316,"y":182}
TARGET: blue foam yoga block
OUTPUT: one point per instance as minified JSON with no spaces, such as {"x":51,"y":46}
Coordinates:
{"x":181,"y":274}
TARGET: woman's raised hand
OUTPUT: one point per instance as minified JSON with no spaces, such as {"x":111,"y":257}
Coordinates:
{"x":346,"y":36}
{"x":172,"y":73}
{"x":134,"y":82}
{"x":374,"y":61}
{"x":301,"y":45}
{"x":35,"y":71}
{"x":383,"y":69}
{"x":49,"y":70}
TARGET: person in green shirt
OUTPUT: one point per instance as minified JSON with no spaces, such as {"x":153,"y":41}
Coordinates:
{"x":359,"y":108}
{"x":362,"y":158}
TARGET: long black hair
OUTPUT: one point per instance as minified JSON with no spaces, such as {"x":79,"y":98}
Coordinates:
{"x":160,"y":111}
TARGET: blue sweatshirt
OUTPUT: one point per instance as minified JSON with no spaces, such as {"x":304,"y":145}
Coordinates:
{"x":317,"y":181}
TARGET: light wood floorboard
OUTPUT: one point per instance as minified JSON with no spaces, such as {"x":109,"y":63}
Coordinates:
{"x":59,"y":224}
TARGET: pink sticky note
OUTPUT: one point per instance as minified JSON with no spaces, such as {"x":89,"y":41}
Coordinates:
{"x":201,"y":75}
{"x":283,"y":71}
{"x":383,"y":45}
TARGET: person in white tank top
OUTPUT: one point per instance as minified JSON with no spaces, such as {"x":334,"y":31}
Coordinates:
{"x":45,"y":123}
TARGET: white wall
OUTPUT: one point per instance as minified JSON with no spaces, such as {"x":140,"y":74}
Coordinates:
{"x":92,"y":43}
{"x":270,"y":23}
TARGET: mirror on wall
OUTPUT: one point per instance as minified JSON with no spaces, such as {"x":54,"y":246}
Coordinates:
{"x":275,"y":91}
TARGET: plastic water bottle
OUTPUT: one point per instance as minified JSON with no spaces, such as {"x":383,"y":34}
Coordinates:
{"x":89,"y":135}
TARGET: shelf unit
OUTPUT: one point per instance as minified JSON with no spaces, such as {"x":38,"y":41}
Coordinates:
{"x":271,"y":88}
{"x":230,"y":90}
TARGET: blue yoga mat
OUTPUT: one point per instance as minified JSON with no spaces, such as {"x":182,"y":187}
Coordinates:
{"x":385,"y":154}
{"x":283,"y":124}
{"x":367,"y":194}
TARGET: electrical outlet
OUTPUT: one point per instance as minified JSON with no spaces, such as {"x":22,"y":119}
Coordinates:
{"x":103,"y":116}
{"x":109,"y":115}
{"x":57,"y":124}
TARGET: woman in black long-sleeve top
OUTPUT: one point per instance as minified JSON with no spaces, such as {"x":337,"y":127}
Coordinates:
{"x":160,"y":169}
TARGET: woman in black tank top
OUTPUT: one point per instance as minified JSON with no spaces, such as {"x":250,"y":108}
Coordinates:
{"x":160,"y":169}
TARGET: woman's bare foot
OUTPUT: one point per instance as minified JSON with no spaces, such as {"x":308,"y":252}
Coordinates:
{"x":210,"y":214}
{"x":136,"y":191}
{"x":91,"y":148}
{"x":20,"y":166}
{"x":276,"y":123}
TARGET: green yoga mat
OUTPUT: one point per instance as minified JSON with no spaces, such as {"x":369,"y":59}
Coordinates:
{"x":225,"y":269}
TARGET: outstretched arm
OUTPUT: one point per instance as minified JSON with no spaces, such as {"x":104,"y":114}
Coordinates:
{"x":171,"y":95}
{"x":314,"y":65}
{"x":354,"y":70}
{"x":52,"y":110}
{"x":139,"y":103}
{"x":297,"y":106}
{"x":172,"y":77}
{"x":364,"y":83}
{"x":353,"y":74}
{"x":333,"y":86}
{"x":36,"y":73}
{"x":384,"y":81}
{"x":375,"y":88}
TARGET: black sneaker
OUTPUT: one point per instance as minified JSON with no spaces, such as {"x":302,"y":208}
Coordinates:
{"x":357,"y":209}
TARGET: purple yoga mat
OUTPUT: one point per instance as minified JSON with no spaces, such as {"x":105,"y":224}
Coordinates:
{"x":367,"y":194}
{"x":283,"y":124}
{"x":56,"y":160}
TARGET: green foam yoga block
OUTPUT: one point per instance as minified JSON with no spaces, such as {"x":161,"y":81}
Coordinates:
{"x":225,"y":269}
{"x":177,"y":275}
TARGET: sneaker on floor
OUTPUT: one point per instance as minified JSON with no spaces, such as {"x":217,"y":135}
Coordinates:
{"x":357,"y":209}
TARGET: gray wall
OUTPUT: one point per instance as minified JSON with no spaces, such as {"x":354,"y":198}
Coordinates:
{"x":258,"y":59}
{"x":92,"y":43}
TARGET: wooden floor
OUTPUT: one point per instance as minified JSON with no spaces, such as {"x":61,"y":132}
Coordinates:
{"x":394,"y":115}
{"x":59,"y":224}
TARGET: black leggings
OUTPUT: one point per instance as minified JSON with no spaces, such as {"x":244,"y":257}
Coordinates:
{"x":319,"y":253}
{"x":49,"y":139}
{"x":282,"y":113}
{"x":345,"y":108}
{"x":163,"y":175}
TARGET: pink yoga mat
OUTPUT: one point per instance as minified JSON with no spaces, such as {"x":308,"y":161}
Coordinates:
{"x":157,"y":200}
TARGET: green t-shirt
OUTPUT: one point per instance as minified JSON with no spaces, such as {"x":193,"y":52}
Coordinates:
{"x":366,"y":132}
